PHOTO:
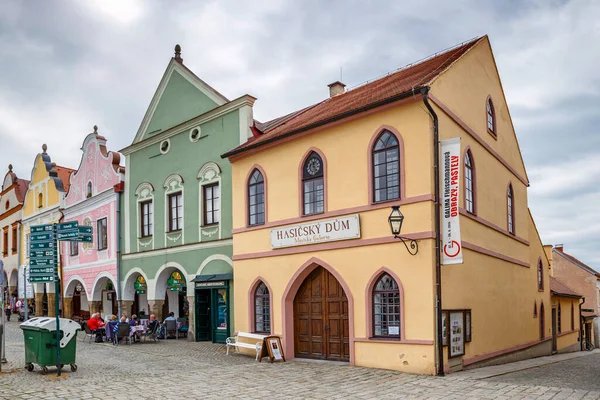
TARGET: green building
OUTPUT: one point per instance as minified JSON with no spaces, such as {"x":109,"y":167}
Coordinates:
{"x":176,"y":241}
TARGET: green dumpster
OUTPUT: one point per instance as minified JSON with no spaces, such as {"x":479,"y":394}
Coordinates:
{"x":40,"y":342}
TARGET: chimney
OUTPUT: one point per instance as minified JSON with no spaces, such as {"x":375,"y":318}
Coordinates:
{"x":336,"y":88}
{"x":559,"y":247}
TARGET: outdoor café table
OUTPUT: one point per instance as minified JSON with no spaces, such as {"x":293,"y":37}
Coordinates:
{"x":136,"y":331}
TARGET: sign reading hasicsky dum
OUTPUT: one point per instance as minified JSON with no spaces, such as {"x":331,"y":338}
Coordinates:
{"x":326,"y":230}
{"x":450,"y":181}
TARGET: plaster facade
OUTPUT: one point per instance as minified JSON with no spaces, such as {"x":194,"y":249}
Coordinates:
{"x":43,"y":203}
{"x":496,"y":283}
{"x":583,"y":280}
{"x":177,"y":200}
{"x":92,"y":201}
{"x":11,"y":205}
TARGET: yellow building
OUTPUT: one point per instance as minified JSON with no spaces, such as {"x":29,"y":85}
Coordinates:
{"x":566,"y":317}
{"x":43,"y":201}
{"x":314,"y":258}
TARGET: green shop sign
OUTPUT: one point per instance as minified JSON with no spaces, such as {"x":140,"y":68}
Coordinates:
{"x":140,"y":285}
{"x":176,"y":281}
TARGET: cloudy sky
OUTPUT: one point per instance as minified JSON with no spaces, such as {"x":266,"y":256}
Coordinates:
{"x":67,"y":65}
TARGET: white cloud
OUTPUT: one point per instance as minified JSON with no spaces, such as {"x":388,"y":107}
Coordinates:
{"x":121,"y":11}
{"x":67,"y":65}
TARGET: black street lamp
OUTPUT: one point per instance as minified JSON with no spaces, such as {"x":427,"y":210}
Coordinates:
{"x":395,"y":219}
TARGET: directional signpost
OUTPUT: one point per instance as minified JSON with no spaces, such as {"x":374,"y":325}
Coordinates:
{"x":85,"y":234}
{"x":43,"y":258}
{"x":43,"y":251}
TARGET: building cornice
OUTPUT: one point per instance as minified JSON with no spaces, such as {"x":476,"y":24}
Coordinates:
{"x":245,"y":100}
{"x":11,"y":212}
{"x":178,"y":249}
{"x":41,"y":214}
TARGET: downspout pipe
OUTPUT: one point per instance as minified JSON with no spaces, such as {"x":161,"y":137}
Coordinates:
{"x":581,"y":324}
{"x":118,"y":191}
{"x":438,"y":261}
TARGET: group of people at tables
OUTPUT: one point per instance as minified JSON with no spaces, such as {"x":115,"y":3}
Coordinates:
{"x":110,"y":328}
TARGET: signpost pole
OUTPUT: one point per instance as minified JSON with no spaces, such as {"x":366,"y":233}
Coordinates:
{"x":56,"y":296}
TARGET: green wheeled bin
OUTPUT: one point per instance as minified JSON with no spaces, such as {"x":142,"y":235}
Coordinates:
{"x":40,"y":342}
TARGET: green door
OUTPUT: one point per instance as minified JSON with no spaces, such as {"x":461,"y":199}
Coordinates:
{"x":203,"y":315}
{"x":220,"y":305}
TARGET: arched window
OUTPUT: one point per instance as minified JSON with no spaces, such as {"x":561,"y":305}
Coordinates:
{"x":535,"y":309}
{"x":469,"y":182}
{"x":262,"y":309}
{"x":540,"y":275}
{"x":510,"y":208}
{"x":256,"y":199}
{"x":572,"y":317}
{"x":386,"y":168}
{"x":40,"y":200}
{"x":491,"y":117}
{"x":542,"y":321}
{"x":89,"y":190}
{"x":386,"y":307}
{"x":313,"y":187}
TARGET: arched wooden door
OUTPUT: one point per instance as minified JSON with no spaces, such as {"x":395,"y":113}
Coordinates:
{"x":321,"y":327}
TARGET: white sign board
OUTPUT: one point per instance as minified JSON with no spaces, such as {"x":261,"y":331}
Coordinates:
{"x":457,"y":338}
{"x":326,"y":230}
{"x":450,"y":181}
{"x":28,"y":285}
{"x":275,"y":349}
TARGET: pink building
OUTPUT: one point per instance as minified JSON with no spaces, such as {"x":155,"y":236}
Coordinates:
{"x":90,"y":269}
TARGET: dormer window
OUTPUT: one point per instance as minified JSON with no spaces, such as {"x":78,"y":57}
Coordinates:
{"x":40,"y":200}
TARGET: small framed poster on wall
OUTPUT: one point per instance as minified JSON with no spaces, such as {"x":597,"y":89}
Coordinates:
{"x":456,"y":331}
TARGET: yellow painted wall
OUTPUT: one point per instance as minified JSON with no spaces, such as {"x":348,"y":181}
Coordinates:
{"x":566,"y":339}
{"x":356,"y":266}
{"x":345,"y":147}
{"x":464,"y":89}
{"x":500,"y":293}
{"x":40,"y":183}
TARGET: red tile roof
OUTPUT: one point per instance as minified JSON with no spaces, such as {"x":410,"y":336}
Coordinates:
{"x":559,"y":288}
{"x":21,"y":189}
{"x":64,"y":174}
{"x":370,"y":94}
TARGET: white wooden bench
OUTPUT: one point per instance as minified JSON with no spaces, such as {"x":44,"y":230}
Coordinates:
{"x":234,"y":342}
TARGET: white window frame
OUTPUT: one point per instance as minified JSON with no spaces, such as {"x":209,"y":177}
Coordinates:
{"x":210,"y":173}
{"x":173,"y":184}
{"x":144,"y":192}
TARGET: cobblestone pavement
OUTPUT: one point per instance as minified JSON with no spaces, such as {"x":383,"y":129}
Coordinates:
{"x":178,"y":369}
{"x":579,"y":373}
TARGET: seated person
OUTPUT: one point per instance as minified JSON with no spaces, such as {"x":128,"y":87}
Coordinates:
{"x":96,"y":326}
{"x":116,"y":328}
{"x":171,"y":317}
{"x":134,"y":321}
{"x":152,"y":324}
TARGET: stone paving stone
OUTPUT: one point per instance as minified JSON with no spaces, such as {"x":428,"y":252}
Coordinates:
{"x":177,"y":369}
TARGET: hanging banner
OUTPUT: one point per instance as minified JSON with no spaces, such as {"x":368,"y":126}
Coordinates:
{"x":450,"y":194}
